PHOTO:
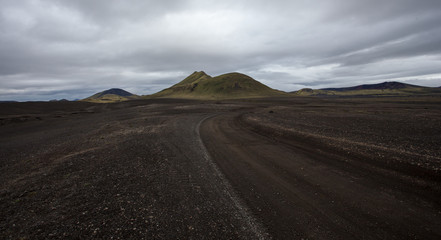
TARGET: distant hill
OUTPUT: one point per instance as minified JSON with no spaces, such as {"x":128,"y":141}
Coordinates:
{"x":199,"y":85}
{"x":378,"y":86}
{"x":111,"y":95}
{"x":61,"y":100}
{"x":380,"y":89}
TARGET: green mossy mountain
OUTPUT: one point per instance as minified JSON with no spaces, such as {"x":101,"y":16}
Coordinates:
{"x":111,"y":95}
{"x":200,"y":85}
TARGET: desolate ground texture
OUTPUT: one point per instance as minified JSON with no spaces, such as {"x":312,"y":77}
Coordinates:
{"x":312,"y":168}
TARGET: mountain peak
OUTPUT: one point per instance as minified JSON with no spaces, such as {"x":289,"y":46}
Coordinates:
{"x":192,"y":79}
{"x":199,"y":73}
{"x":115,"y":91}
{"x":111,"y":95}
{"x":230,"y":85}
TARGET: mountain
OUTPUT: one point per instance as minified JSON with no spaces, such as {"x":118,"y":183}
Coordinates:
{"x":199,"y":85}
{"x":111,"y":95}
{"x":378,"y":86}
{"x":379,"y":89}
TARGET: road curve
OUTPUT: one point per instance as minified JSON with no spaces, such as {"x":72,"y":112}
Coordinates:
{"x":300,"y":192}
{"x":219,"y":214}
{"x":131,"y":173}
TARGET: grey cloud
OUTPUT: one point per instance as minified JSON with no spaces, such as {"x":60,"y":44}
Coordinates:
{"x":423,"y":44}
{"x":367,"y":12}
{"x":74,"y":48}
{"x":106,"y":12}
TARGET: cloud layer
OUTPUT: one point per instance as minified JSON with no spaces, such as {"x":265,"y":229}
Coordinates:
{"x":71,"y":49}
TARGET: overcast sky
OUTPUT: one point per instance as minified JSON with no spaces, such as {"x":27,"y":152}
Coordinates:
{"x":53,"y":49}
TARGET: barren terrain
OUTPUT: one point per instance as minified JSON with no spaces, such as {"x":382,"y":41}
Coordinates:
{"x":312,"y":168}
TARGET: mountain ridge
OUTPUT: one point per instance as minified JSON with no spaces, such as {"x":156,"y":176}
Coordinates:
{"x":378,"y":89}
{"x":383,"y":85}
{"x":200,"y":85}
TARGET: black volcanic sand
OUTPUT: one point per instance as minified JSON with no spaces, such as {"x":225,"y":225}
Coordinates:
{"x":312,"y":168}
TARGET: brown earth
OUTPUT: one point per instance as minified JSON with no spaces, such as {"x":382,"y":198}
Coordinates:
{"x":312,"y":168}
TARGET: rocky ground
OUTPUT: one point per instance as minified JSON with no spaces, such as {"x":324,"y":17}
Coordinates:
{"x":335,"y":168}
{"x":161,"y":169}
{"x":388,"y":131}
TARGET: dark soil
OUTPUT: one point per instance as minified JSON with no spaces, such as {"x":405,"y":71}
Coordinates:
{"x":275,"y":168}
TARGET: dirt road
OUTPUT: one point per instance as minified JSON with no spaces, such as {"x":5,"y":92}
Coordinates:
{"x":300,"y":191}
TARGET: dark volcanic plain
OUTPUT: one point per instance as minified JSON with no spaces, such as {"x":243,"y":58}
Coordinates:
{"x":287,"y":168}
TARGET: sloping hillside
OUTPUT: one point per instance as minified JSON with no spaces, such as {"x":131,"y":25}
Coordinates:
{"x":199,"y":85}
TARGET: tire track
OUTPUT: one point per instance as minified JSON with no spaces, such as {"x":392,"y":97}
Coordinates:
{"x":257,"y":228}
